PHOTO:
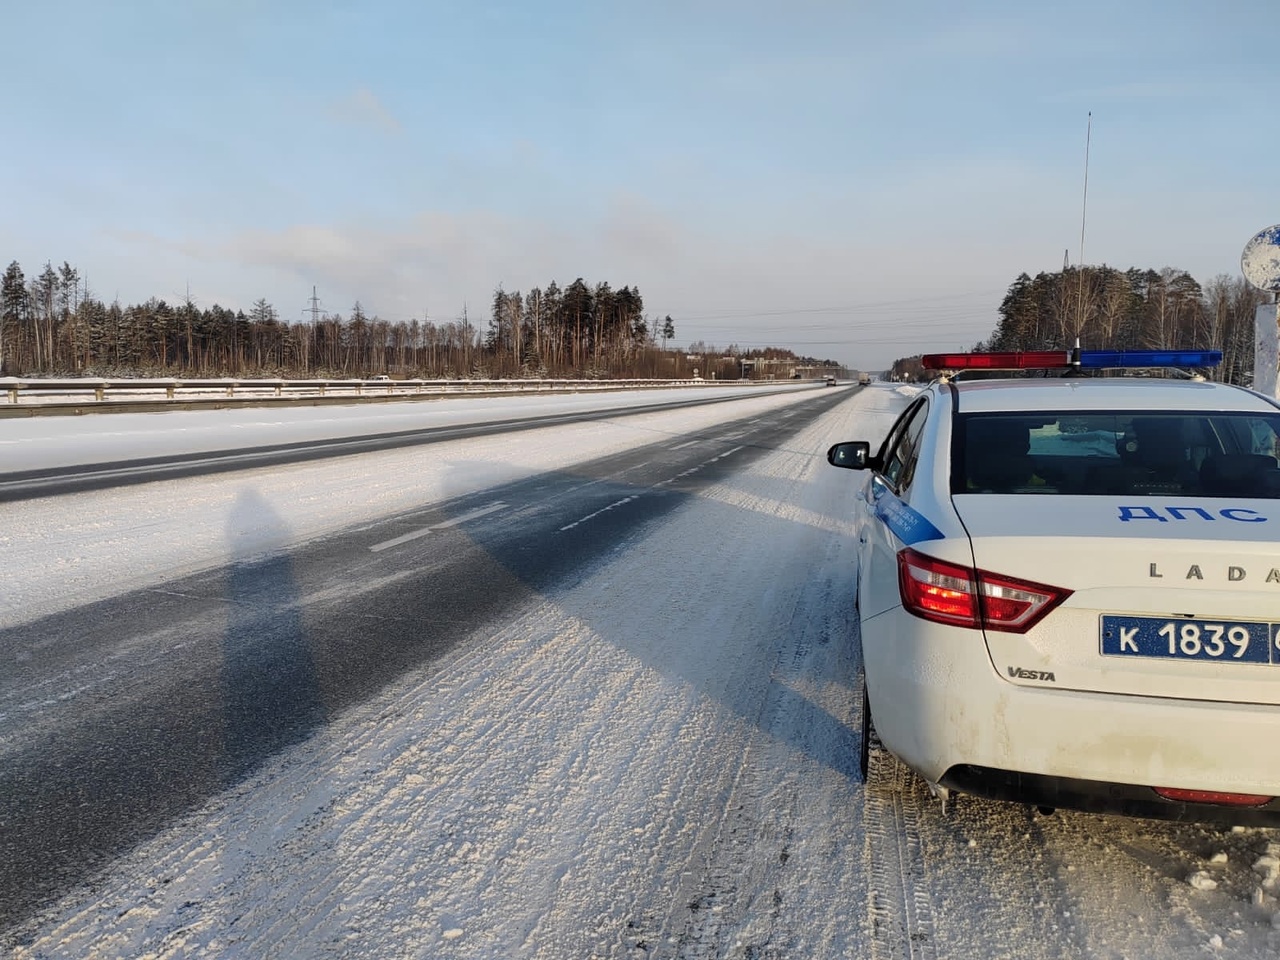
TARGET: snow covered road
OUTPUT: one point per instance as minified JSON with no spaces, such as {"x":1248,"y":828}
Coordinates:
{"x":648,"y":755}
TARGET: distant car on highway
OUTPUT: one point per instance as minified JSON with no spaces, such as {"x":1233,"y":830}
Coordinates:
{"x":1069,"y":591}
{"x":829,"y":380}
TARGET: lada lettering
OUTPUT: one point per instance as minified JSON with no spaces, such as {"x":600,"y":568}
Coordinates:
{"x":1021,"y":673}
{"x":1234,"y":573}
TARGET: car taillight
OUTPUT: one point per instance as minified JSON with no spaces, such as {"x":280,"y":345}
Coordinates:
{"x":936,"y":590}
{"x":965,"y":597}
{"x":1213,"y":796}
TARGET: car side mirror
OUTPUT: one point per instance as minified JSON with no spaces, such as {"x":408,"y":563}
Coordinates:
{"x":852,"y":455}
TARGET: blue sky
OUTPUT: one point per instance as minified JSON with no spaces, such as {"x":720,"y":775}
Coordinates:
{"x":854,"y":180}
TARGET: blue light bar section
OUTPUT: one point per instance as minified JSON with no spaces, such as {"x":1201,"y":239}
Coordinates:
{"x":1096,"y":359}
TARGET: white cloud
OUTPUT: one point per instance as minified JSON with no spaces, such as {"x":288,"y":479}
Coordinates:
{"x":862,"y":298}
{"x":363,"y":108}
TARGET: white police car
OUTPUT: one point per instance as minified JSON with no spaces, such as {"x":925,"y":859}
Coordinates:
{"x":1069,"y":589}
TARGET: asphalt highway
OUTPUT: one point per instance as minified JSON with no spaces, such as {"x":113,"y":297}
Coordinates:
{"x":120,"y":717}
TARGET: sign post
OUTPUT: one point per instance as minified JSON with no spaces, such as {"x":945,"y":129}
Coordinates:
{"x":1260,"y":264}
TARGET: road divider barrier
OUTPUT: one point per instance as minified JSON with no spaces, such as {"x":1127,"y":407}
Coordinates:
{"x":27,"y":397}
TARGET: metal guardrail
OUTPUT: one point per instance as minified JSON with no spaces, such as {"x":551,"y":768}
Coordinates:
{"x":30,"y":392}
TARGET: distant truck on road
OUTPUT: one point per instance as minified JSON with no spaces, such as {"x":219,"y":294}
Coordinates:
{"x":864,"y":379}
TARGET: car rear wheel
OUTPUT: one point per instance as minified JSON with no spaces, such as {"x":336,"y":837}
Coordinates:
{"x":864,"y":744}
{"x":878,"y":767}
{"x":880,"y":770}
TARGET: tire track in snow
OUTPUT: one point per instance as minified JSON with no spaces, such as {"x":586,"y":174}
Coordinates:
{"x":754,"y":893}
{"x":898,"y":899}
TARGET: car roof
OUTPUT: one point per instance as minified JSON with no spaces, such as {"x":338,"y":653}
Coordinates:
{"x":1103,"y":393}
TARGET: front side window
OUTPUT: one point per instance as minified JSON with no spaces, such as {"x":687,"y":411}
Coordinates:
{"x":903,"y":449}
{"x":1102,"y":453}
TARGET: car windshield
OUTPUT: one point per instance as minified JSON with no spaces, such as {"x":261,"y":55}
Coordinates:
{"x":1112,"y":453}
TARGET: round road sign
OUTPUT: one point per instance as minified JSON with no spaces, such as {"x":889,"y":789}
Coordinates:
{"x":1260,"y":261}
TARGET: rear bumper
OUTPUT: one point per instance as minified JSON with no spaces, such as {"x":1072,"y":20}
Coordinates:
{"x":1093,"y":796}
{"x":940,"y":706}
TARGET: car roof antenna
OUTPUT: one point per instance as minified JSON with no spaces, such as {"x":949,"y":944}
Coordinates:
{"x":1073,"y":364}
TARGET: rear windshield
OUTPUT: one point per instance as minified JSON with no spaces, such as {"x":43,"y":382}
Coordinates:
{"x":1113,"y":453}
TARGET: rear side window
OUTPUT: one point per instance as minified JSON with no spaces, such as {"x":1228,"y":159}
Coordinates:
{"x":1157,"y":453}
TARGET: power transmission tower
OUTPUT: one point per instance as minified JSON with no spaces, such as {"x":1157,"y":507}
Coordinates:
{"x":310,"y":343}
{"x":315,"y":309}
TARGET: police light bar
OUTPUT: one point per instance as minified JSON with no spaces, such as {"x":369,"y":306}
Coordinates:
{"x":1096,"y":359}
{"x":1014,"y":360}
{"x":1057,"y":359}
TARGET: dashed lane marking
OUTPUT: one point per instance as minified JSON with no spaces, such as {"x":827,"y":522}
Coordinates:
{"x":591,"y":516}
{"x":660,"y":483}
{"x":462,"y":518}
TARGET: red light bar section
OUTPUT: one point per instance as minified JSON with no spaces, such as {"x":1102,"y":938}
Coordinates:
{"x":1213,"y":796}
{"x":1017,"y":360}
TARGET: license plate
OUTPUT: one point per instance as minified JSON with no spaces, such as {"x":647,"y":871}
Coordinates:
{"x":1228,"y":641}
